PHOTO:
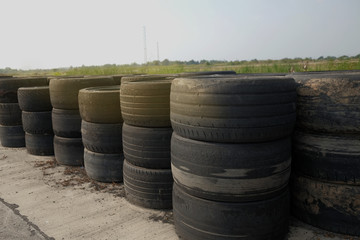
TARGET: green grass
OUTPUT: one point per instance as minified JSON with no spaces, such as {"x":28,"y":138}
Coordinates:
{"x":254,"y":66}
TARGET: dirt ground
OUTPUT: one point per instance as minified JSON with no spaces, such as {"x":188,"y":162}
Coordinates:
{"x":41,"y":200}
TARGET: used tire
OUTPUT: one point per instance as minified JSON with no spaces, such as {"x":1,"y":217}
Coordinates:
{"x":102,"y":138}
{"x":100,"y":104}
{"x":233,"y":109}
{"x":192,"y":74}
{"x":37,"y":122}
{"x":66,"y":123}
{"x":331,"y":206}
{"x":34,"y":99}
{"x":231,"y":172}
{"x":149,"y":188}
{"x":10,"y":86}
{"x":104,"y":167}
{"x":327,"y":157}
{"x":39,"y":144}
{"x":64,"y":91}
{"x":12,"y":136}
{"x":69,"y":151}
{"x":146,"y":103}
{"x":329,"y":102}
{"x":197,"y":218}
{"x":10,"y":114}
{"x":147,"y":147}
{"x":152,"y":77}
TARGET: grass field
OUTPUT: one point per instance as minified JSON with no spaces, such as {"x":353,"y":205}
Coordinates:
{"x":254,"y":66}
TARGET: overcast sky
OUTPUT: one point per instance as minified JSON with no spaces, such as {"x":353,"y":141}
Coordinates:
{"x":63,"y":33}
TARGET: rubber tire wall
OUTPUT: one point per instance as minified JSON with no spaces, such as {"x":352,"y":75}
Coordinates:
{"x":233,"y":109}
{"x":147,"y":147}
{"x":231,"y":172}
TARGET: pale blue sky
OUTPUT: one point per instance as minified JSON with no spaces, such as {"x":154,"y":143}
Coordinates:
{"x":62,"y":33}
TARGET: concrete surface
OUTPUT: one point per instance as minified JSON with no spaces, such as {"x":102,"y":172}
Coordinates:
{"x":41,"y":200}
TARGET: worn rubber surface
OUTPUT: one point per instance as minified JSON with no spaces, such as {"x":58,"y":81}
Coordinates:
{"x":104,"y":167}
{"x":66,"y":123}
{"x":100,"y":104}
{"x":329,"y":102}
{"x":147,"y":147}
{"x":69,"y":151}
{"x":64,"y":91}
{"x":196,"y":218}
{"x":231,"y":172}
{"x":233,"y":108}
{"x":152,"y":77}
{"x":146,"y":103}
{"x":328,"y":157}
{"x":39,"y":144}
{"x":34,"y":99}
{"x":149,"y":188}
{"x":331,"y":206}
{"x":12,"y":136}
{"x":10,"y":114}
{"x":37,"y":122}
{"x":192,"y":74}
{"x":102,"y":138}
{"x":10,"y":86}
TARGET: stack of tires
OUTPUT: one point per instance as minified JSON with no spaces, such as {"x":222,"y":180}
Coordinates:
{"x":66,"y":119}
{"x":146,"y":142}
{"x":11,"y":129}
{"x":36,"y":119}
{"x":231,"y":156}
{"x":326,"y":176}
{"x":101,"y":130}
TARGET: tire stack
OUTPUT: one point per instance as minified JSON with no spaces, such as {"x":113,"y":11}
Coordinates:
{"x":146,"y":142}
{"x":66,"y":119}
{"x":326,"y":169}
{"x":11,"y":129}
{"x":231,"y":156}
{"x":101,"y":130}
{"x":36,"y":120}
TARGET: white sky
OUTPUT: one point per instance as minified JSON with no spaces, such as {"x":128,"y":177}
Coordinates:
{"x":63,"y":33}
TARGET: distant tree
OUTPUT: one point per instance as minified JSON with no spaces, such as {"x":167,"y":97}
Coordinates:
{"x":320,"y":58}
{"x":165,"y":62}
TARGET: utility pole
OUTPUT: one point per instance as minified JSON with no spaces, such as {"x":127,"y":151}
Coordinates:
{"x":157,"y":48}
{"x":145,"y":50}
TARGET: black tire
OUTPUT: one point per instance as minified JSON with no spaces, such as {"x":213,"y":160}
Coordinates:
{"x":10,"y":114}
{"x":34,"y":99}
{"x":100,"y":104}
{"x":147,"y":147}
{"x":231,"y":172}
{"x":193,"y":74}
{"x":102,"y":138}
{"x":10,"y":86}
{"x":146,"y":103}
{"x":233,"y":109}
{"x":66,"y":123}
{"x":327,"y":157}
{"x":12,"y":136}
{"x":64,"y":91}
{"x":196,"y":218}
{"x":330,"y":206}
{"x":152,"y":77}
{"x":104,"y":167}
{"x":39,"y":144}
{"x":329,"y":103}
{"x":37,"y":122}
{"x":149,"y":188}
{"x":69,"y":151}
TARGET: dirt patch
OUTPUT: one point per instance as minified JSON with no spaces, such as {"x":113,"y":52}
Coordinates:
{"x":164,"y":217}
{"x":3,"y":157}
{"x":56,"y":175}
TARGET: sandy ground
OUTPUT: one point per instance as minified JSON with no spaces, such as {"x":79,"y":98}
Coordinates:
{"x":42,"y":200}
